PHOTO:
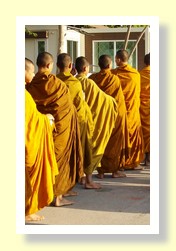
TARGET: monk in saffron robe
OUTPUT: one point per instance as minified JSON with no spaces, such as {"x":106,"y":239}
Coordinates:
{"x":145,"y":107}
{"x":104,"y":111}
{"x":118,"y":147}
{"x":52,"y":96}
{"x":130,"y":83}
{"x":40,"y":162}
{"x":64,"y":63}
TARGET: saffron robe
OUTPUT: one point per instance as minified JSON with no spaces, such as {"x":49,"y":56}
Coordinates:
{"x":84,"y":117}
{"x":118,"y":147}
{"x":145,"y":106}
{"x":40,"y":162}
{"x":52,"y":96}
{"x":130,"y":83}
{"x":104,"y":112}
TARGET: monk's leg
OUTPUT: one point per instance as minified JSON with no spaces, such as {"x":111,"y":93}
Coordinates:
{"x":90,"y":184}
{"x":148,"y":159}
{"x":100,"y":175}
{"x":60,"y":201}
{"x":34,"y":217}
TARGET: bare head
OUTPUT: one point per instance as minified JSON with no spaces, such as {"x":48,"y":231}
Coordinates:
{"x":82,"y":65}
{"x":29,"y":70}
{"x":105,"y":62}
{"x":121,"y":57}
{"x":147,"y":59}
{"x":45,"y":61}
{"x":64,"y":62}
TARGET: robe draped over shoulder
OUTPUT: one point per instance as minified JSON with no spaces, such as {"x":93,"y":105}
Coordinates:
{"x":40,"y":162}
{"x":130,"y":83}
{"x":104,"y":113}
{"x":145,"y":106}
{"x":118,"y":147}
{"x":52,"y":96}
{"x":84,"y":116}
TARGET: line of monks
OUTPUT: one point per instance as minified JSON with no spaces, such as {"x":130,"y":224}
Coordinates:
{"x":75,"y":125}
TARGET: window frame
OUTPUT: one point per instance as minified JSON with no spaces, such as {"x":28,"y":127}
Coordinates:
{"x":114,"y":41}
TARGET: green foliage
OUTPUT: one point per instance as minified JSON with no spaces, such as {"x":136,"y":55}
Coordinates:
{"x":30,"y":33}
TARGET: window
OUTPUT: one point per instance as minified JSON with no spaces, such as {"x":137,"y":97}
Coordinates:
{"x":40,"y":46}
{"x":110,"y":48}
{"x":72,"y":49}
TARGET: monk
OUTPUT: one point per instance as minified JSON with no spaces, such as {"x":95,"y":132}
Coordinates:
{"x":104,"y":111}
{"x":145,"y":107}
{"x":130,"y":83}
{"x":64,"y":63}
{"x":52,"y":96}
{"x":118,"y":148}
{"x":40,"y":161}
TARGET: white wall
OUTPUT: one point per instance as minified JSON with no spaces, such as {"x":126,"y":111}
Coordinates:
{"x":52,"y":42}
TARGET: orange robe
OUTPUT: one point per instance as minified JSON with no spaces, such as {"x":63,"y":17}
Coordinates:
{"x":118,"y":147}
{"x":40,"y":161}
{"x":104,"y":112}
{"x":84,"y":117}
{"x":52,"y":96}
{"x":130,"y":83}
{"x":145,"y":106}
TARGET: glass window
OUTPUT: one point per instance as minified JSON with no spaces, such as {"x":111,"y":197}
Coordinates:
{"x":110,"y":48}
{"x":72,"y":48}
{"x":101,"y":48}
{"x":41,"y":46}
{"x":130,"y":46}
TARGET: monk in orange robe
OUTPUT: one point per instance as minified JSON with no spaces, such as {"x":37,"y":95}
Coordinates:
{"x":64,"y":63}
{"x":104,"y":111}
{"x":52,"y":96}
{"x":130,"y":83}
{"x":145,"y":107}
{"x":40,"y":162}
{"x":118,"y":147}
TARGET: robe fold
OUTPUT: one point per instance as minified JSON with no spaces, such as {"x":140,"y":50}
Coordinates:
{"x":84,"y":117}
{"x":52,"y":96}
{"x":118,"y":147}
{"x":145,"y":106}
{"x":130,"y":83}
{"x":40,"y":162}
{"x":104,"y":113}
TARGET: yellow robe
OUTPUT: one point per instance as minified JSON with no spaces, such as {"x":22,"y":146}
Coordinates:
{"x":104,"y":112}
{"x":40,"y":161}
{"x":118,"y":147}
{"x":145,"y":106}
{"x":52,"y":96}
{"x":130,"y":83}
{"x":84,"y":116}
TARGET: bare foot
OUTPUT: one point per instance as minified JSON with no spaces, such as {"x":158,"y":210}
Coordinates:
{"x":118,"y":174}
{"x":92,"y":185}
{"x":62,"y":202}
{"x":34,"y":217}
{"x":70,"y":193}
{"x":100,"y":176}
{"x":83,"y":180}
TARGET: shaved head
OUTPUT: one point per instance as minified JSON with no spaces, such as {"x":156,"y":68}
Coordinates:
{"x":63,"y":60}
{"x":147,"y":59}
{"x":104,"y":61}
{"x":80,"y":63}
{"x":122,"y":55}
{"x":28,"y":64}
{"x":43,"y":59}
{"x":29,"y":70}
